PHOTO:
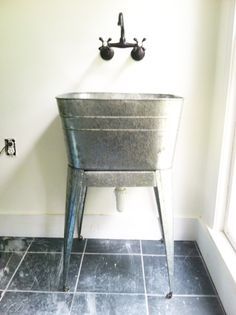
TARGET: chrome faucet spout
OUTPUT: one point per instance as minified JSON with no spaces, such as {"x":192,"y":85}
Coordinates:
{"x":121,"y":24}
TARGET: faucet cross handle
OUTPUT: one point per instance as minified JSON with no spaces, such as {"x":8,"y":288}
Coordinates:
{"x":103,"y":42}
{"x":106,"y":51}
{"x":101,"y":39}
{"x":135,"y":39}
{"x":138,"y":52}
{"x":108,"y":41}
{"x":143,"y":41}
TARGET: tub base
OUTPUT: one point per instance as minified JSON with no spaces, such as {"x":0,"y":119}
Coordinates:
{"x":77,"y":182}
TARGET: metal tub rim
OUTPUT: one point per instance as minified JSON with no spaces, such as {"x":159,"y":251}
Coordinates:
{"x":116,"y":96}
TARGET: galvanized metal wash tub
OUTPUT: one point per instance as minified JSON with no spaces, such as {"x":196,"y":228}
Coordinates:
{"x":118,"y":139}
{"x":106,"y":131}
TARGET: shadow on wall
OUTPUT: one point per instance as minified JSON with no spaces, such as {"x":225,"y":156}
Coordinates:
{"x":102,"y":75}
{"x":39,"y":183}
{"x":93,"y":69}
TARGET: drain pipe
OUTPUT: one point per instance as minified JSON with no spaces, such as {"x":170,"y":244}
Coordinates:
{"x":120,"y":193}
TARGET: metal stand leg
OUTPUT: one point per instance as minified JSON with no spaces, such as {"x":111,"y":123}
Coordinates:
{"x":74,"y":200}
{"x":159,"y":212}
{"x":164,"y":185}
{"x":81,"y":212}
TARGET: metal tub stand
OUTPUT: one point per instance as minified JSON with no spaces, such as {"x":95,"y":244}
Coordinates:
{"x":77,"y":182}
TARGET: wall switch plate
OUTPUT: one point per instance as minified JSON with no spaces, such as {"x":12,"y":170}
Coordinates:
{"x":10,"y":147}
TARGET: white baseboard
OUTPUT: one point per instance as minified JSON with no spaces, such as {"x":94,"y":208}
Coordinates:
{"x":220,"y":259}
{"x":119,"y":226}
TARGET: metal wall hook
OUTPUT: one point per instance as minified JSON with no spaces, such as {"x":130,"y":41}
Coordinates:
{"x":107,"y":53}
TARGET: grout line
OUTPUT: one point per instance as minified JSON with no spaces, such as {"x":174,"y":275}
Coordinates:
{"x":39,"y":291}
{"x":111,"y":293}
{"x":121,"y":254}
{"x":195,"y":295}
{"x":82,"y":292}
{"x":74,"y":253}
{"x":186,"y":295}
{"x":9,"y":259}
{"x":208,"y":273}
{"x":198,"y":250}
{"x":116,"y":293}
{"x":51,"y":252}
{"x":144,"y":280}
{"x":9,"y":282}
{"x":114,"y":254}
{"x":163,"y":255}
{"x":221,"y":305}
{"x":78,"y":275}
{"x":13,"y":251}
{"x":86,"y":253}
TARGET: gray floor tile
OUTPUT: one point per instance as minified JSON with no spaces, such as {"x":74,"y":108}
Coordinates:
{"x":185,"y":248}
{"x":78,"y":245}
{"x":54,"y":245}
{"x":184,"y":306}
{"x":14,"y":244}
{"x":46,"y":245}
{"x":155,"y":274}
{"x":105,"y":304}
{"x":27,"y":303}
{"x":111,"y":273}
{"x":153,"y":247}
{"x":8,"y":264}
{"x":113,"y":246}
{"x":190,"y":276}
{"x":43,"y":272}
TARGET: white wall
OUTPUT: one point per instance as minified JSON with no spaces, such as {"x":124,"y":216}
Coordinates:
{"x":51,"y":47}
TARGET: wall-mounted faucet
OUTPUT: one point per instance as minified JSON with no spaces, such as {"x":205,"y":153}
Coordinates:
{"x":107,"y":52}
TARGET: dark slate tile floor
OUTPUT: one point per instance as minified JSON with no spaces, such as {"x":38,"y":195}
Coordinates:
{"x":106,"y":277}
